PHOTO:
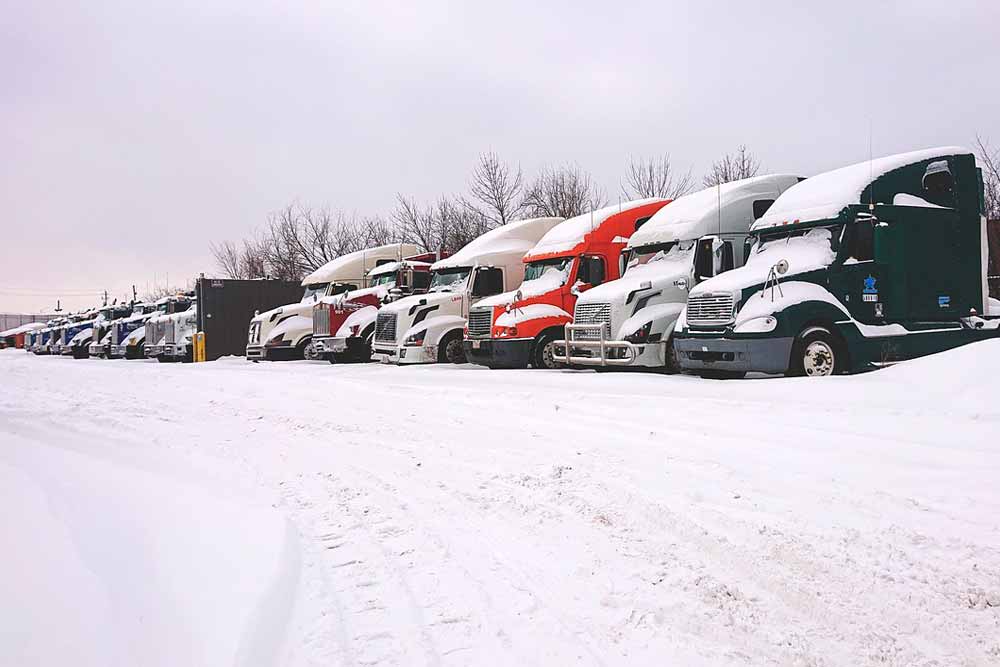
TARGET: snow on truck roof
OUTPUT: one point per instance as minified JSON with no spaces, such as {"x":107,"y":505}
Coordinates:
{"x":24,"y":328}
{"x":354,"y":265}
{"x":514,"y":238}
{"x":390,"y":267}
{"x":825,"y":195}
{"x":691,"y":216}
{"x":565,"y":236}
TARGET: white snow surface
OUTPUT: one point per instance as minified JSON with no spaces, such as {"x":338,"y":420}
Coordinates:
{"x":825,"y":195}
{"x":533,"y":311}
{"x":307,"y":514}
{"x":568,"y":234}
{"x":904,"y":199}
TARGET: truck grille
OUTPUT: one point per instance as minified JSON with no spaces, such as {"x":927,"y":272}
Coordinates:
{"x":385,"y":327}
{"x":321,"y":321}
{"x":710,"y":309}
{"x":480,"y":320}
{"x":170,"y":332}
{"x":592,"y":313}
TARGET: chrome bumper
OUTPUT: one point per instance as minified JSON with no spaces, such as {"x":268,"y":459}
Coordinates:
{"x":603,"y":352}
{"x":330,"y":344}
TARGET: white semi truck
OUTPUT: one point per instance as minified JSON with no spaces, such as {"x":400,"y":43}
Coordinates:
{"x":428,"y":328}
{"x":629,"y":322}
{"x":286,"y":332}
{"x":156,"y":327}
{"x":128,"y":335}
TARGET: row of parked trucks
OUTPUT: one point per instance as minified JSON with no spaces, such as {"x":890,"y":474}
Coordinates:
{"x":849,"y":270}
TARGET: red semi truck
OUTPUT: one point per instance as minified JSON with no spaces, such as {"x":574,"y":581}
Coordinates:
{"x":519,"y":328}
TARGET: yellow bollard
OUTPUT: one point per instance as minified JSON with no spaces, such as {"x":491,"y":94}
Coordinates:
{"x":199,"y":346}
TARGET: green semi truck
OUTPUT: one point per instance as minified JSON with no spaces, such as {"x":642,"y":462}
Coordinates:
{"x":867,"y":265}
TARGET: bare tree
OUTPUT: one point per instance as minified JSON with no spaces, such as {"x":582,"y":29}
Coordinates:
{"x":655,"y":177}
{"x":732,"y":167}
{"x":989,"y":161}
{"x":495,"y":190}
{"x":563,"y":192}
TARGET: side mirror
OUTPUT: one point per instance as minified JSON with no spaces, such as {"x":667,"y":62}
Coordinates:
{"x":704,"y":258}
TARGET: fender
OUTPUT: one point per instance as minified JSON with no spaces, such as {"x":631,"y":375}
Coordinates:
{"x":662,"y":315}
{"x":293,"y":328}
{"x":362,"y":319}
{"x":437,"y":328}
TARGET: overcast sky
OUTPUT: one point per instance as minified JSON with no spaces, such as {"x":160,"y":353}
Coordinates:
{"x":134,"y":133}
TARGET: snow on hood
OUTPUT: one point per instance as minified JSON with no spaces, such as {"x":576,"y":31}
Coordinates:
{"x":513,"y":239}
{"x":808,"y":252}
{"x":529,"y":313}
{"x":379,"y":291}
{"x":694,"y":215}
{"x":660,"y":271}
{"x":790,"y":293}
{"x":403,"y":305}
{"x":565,"y":236}
{"x":297,"y":308}
{"x":904,"y":199}
{"x":824,"y":196}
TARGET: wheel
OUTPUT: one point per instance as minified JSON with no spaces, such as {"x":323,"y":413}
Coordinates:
{"x":542,"y":356}
{"x":450,"y":350}
{"x":722,"y":375}
{"x":309,"y":352}
{"x":817,"y":353}
{"x":671,"y":364}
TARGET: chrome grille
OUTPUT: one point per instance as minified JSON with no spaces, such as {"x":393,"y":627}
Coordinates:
{"x":592,"y":313}
{"x":710,"y":309}
{"x":321,"y":321}
{"x":170,"y":332}
{"x":480,"y":320}
{"x":385,"y":327}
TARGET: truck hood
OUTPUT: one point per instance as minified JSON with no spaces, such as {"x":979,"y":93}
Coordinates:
{"x":297,"y":308}
{"x":408,"y":308}
{"x":379,"y":292}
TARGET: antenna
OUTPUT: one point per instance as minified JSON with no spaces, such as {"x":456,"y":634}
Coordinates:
{"x":871,"y":170}
{"x":718,"y":192}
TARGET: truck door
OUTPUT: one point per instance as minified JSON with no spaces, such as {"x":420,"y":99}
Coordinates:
{"x":918,"y":252}
{"x":859,"y":281}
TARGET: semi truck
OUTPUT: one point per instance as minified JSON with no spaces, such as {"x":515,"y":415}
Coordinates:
{"x":850,"y":270}
{"x":128,"y":335}
{"x":79,"y":335}
{"x":100,"y":344}
{"x":428,"y":328}
{"x":156,"y":327}
{"x":286,"y":332}
{"x":629,"y":322}
{"x":178,"y":334}
{"x":519,"y":327}
{"x":344,"y":325}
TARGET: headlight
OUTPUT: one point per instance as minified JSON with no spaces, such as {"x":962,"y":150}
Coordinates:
{"x":641,"y":335}
{"x":757,"y":325}
{"x":415,"y":340}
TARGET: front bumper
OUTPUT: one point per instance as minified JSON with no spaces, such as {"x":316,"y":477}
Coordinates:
{"x":256,"y":352}
{"x":499,"y":352}
{"x":331,"y":344}
{"x":405,"y":354}
{"x":761,"y":355}
{"x":153,"y":351}
{"x":601,"y":352}
{"x":175,"y":349}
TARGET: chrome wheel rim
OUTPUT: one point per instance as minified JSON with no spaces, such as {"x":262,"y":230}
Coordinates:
{"x":819,"y":360}
{"x":310,"y":352}
{"x":548,"y":355}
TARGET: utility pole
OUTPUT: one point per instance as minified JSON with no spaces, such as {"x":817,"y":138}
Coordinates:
{"x":58,"y":306}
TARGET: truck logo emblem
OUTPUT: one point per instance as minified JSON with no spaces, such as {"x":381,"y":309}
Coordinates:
{"x":944,"y":301}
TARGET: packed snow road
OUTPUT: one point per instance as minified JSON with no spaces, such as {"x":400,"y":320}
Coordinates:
{"x":306,"y":514}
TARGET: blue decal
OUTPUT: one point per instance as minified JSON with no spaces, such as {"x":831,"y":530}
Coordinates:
{"x":870,"y":286}
{"x":944,"y":301}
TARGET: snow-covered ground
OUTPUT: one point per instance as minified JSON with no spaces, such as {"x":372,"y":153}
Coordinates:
{"x":307,"y":514}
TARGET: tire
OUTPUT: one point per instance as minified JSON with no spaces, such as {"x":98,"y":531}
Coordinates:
{"x":309,"y":351}
{"x":817,"y":353}
{"x":541,"y":355}
{"x":671,"y":363}
{"x":450,"y":349}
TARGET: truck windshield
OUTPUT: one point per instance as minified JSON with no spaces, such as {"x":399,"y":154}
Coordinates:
{"x":316,"y":289}
{"x":671,"y":252}
{"x":550,"y":268}
{"x":449,"y":280}
{"x":162,"y":308}
{"x":384,"y":279}
{"x":803,"y":249}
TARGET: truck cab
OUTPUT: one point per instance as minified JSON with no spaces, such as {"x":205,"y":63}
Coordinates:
{"x":344,"y":325}
{"x":629,"y":322}
{"x":128,"y":335}
{"x":178,"y":333}
{"x":427,"y":328}
{"x":863,"y":266}
{"x":157,"y":326}
{"x":79,"y":335}
{"x":519,"y":328}
{"x":286,"y":333}
{"x":100,"y":344}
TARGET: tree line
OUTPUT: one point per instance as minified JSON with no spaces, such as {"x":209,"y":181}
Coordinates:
{"x":300,"y":238}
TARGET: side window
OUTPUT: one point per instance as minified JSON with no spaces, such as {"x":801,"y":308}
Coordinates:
{"x":591,"y":270}
{"x":421,"y":280}
{"x":760,"y":207}
{"x":380,"y":262}
{"x":863,"y":241}
{"x":403,"y":278}
{"x":727,"y":261}
{"x":641,"y":221}
{"x":747,"y":248}
{"x":489,"y":281}
{"x":704,"y":259}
